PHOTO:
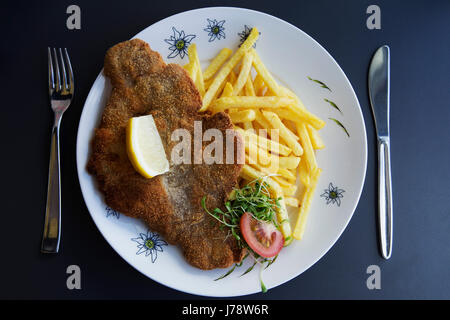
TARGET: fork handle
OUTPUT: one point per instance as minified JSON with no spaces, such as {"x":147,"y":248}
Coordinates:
{"x":385,"y":218}
{"x":52,"y":225}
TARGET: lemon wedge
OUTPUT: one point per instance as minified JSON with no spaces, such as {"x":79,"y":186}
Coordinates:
{"x":144,"y":147}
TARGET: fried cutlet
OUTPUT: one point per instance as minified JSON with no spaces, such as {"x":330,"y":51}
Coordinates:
{"x":169,"y":204}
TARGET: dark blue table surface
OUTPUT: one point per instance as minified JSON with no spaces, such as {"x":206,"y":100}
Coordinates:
{"x":418,"y":33}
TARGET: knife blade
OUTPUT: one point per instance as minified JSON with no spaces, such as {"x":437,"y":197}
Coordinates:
{"x":379,"y":87}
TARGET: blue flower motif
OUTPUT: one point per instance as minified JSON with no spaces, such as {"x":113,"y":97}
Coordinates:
{"x":244,"y":35}
{"x":215,"y":30}
{"x":149,"y":243}
{"x":112,"y":212}
{"x":333,"y":194}
{"x":179,"y":42}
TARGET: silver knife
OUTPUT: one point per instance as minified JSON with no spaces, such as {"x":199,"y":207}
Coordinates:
{"x":379,"y":83}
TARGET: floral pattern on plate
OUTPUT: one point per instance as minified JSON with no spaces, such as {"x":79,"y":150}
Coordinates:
{"x":215,"y":29}
{"x":179,"y":42}
{"x":333,"y":195}
{"x":149,"y":243}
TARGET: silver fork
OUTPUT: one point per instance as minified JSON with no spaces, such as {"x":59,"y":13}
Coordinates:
{"x":61,"y":87}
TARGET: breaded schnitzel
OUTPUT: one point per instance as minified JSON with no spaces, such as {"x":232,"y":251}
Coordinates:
{"x":170,"y":204}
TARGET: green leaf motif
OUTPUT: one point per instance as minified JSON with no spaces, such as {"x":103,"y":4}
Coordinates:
{"x":333,"y":105}
{"x":323,"y":85}
{"x":340,"y":125}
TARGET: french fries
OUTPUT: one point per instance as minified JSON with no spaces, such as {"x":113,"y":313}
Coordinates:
{"x":216,"y":63}
{"x":300,"y":224}
{"x":265,"y":74}
{"x":227,"y":90}
{"x":244,"y":73}
{"x":258,"y":84}
{"x":249,"y":89}
{"x":226,"y":69}
{"x":290,"y":162}
{"x":287,"y":174}
{"x":248,"y":125}
{"x":208,"y":83}
{"x":259,"y":155}
{"x":306,"y":116}
{"x":309,"y":155}
{"x":261,"y":121}
{"x":251,"y":102}
{"x":316,"y":140}
{"x":265,"y":143}
{"x":283,"y":182}
{"x":190,"y":69}
{"x":303,"y":173}
{"x":232,"y":77}
{"x":198,"y":76}
{"x":289,"y":190}
{"x":242,"y":116}
{"x":291,"y":201}
{"x":281,"y":136}
{"x":292,"y":143}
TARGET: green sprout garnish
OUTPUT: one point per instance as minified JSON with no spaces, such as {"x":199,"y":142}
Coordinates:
{"x":254,"y":198}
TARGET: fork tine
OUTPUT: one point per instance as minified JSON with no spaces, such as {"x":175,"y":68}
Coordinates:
{"x":58,"y":80}
{"x":63,"y":69}
{"x":69,"y":68}
{"x":51,"y":74}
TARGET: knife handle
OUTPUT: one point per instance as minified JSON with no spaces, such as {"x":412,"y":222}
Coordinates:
{"x":385,"y":197}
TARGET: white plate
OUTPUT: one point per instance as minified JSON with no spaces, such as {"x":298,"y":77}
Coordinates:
{"x":292,"y":56}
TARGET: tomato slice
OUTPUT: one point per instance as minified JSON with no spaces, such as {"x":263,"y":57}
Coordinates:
{"x":263,"y":237}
